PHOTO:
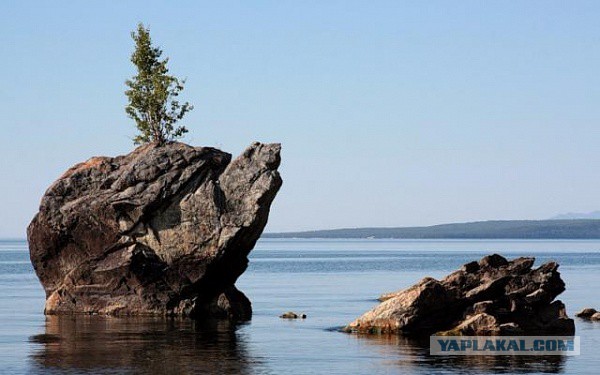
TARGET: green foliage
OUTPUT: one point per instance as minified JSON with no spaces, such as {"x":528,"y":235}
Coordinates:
{"x":153,"y":94}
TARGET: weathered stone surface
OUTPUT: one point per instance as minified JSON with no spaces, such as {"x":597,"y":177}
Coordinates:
{"x":491,"y":297}
{"x":164,"y":230}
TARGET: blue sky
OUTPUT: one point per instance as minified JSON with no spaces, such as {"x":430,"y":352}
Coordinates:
{"x":390,"y":113}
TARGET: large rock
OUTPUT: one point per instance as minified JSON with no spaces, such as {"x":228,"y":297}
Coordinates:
{"x":164,"y":230}
{"x":491,"y":297}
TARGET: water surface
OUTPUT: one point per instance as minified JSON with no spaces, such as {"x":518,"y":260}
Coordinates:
{"x":332,"y":281}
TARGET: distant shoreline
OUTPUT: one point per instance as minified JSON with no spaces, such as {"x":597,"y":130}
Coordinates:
{"x":572,"y":229}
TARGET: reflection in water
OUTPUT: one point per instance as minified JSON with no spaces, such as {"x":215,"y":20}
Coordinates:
{"x":94,"y":344}
{"x":414,"y":356}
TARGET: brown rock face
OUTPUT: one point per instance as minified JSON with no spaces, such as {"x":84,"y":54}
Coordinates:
{"x":491,"y":297}
{"x":164,"y":230}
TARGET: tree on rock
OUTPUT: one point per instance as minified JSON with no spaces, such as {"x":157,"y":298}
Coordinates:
{"x":153,"y":94}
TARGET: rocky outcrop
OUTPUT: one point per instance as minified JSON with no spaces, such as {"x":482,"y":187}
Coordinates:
{"x":491,"y":297}
{"x":164,"y":230}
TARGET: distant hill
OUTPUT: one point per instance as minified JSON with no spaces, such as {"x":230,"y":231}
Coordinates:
{"x":576,"y":215}
{"x":511,"y":229}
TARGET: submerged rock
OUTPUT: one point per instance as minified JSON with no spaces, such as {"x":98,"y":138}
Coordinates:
{"x":164,"y":230}
{"x":491,"y":297}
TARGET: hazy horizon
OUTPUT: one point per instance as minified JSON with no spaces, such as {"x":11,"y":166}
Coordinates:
{"x":390,"y":114}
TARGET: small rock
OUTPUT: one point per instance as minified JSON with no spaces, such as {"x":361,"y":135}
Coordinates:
{"x":586,"y":313}
{"x":292,"y":315}
{"x":596,"y":316}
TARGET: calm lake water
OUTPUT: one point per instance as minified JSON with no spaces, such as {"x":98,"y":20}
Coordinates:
{"x":332,"y":281}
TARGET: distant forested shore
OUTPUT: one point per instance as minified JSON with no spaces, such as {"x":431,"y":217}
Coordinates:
{"x":501,"y":229}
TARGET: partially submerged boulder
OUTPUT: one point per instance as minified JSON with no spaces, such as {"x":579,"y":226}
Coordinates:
{"x":589,"y":314}
{"x":164,"y":230}
{"x":586,"y":313}
{"x":491,"y":297}
{"x":292,"y":315}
